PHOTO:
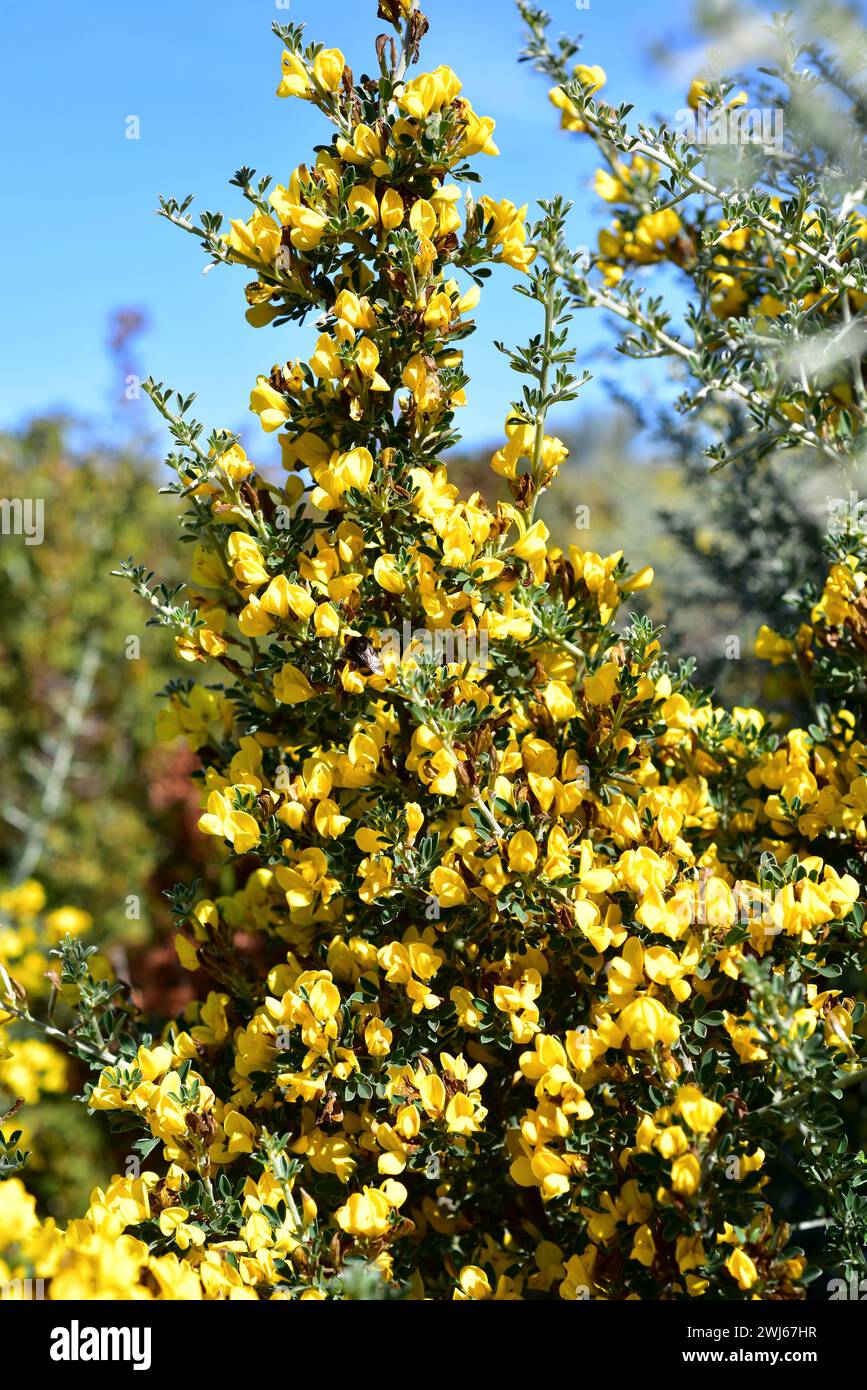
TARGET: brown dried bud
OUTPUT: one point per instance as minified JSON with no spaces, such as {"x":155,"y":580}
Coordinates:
{"x":418,"y":27}
{"x":386,"y":41}
{"x":522,"y":489}
{"x":202,"y":1127}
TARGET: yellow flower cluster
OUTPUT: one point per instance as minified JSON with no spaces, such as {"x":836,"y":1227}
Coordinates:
{"x":737,"y":268}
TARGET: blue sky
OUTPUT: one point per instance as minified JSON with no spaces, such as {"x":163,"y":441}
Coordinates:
{"x":201,"y":80}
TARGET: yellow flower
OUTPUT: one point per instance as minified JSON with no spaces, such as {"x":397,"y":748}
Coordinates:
{"x":391,"y":209}
{"x":224,"y":818}
{"x":368,"y":1213}
{"x":328,"y":68}
{"x":240,"y":1132}
{"x":686,"y":1175}
{"x":329,"y":823}
{"x":523,"y":852}
{"x":647,"y":1022}
{"x":326,"y":620}
{"x":284,"y":600}
{"x":448,"y":887}
{"x":17,"y":1212}
{"x":600,"y":687}
{"x":643,"y":1247}
{"x":742,"y":1269}
{"x":591,"y":78}
{"x":247,"y":560}
{"x":474,"y":1284}
{"x":291,"y":686}
{"x":377,"y":1038}
{"x":295,"y":81}
{"x":67,"y":921}
{"x":32,"y":1069}
{"x":699,"y":1113}
{"x":558,"y":698}
{"x":387,"y":575}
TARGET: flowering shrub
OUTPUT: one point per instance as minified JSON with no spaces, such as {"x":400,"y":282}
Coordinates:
{"x":731,"y":248}
{"x":35,"y":1067}
{"x":40,"y":1120}
{"x":533,"y":967}
{"x":767,"y":232}
{"x":91,"y":810}
{"x":77,"y":683}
